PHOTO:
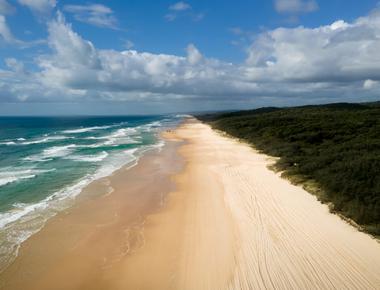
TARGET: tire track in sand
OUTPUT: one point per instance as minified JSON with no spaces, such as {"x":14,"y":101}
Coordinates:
{"x":286,"y":238}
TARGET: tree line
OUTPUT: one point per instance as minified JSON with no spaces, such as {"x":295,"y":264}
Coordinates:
{"x":333,"y":150}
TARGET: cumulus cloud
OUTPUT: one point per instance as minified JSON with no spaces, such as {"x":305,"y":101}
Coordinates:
{"x":77,"y":64}
{"x":328,"y":63}
{"x":180,"y":6}
{"x":94,"y":14}
{"x":295,"y":6}
{"x":40,"y":7}
{"x":340,"y":52}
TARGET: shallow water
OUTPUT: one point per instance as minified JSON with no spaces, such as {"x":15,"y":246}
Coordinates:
{"x":45,"y":163}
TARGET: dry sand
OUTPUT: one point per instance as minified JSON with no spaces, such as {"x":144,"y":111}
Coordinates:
{"x":284,"y":238}
{"x":230,"y":223}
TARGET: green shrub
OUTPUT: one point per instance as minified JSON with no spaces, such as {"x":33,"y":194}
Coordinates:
{"x":336,"y":146}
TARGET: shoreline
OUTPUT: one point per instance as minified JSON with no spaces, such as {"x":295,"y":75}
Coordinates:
{"x":204,"y":213}
{"x":27,"y":216}
{"x":31,"y":218}
{"x":72,"y":226}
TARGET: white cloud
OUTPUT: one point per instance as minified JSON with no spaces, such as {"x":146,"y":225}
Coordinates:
{"x":370,"y":84}
{"x":341,"y":52}
{"x":329,"y":63}
{"x":94,"y":14}
{"x":7,"y":37}
{"x":128,"y":44}
{"x":5,"y":32}
{"x":15,"y":65}
{"x":183,"y":9}
{"x":6,"y":8}
{"x":76,"y":65}
{"x":193,"y":54}
{"x":180,"y":6}
{"x":41,"y":7}
{"x":295,"y":6}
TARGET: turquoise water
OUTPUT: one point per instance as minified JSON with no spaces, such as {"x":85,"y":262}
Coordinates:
{"x":46,"y":162}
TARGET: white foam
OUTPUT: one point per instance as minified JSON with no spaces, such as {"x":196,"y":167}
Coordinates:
{"x":122,"y":133}
{"x":148,"y":127}
{"x":20,"y":210}
{"x":11,"y":216}
{"x":94,"y":138}
{"x":37,"y":158}
{"x":51,"y":153}
{"x":89,"y":158}
{"x":44,"y":140}
{"x":6,"y":180}
{"x":159,"y":145}
{"x":119,"y":137}
{"x":132,"y":150}
{"x":120,"y":141}
{"x":8,"y":143}
{"x":58,"y":151}
{"x":9,"y":175}
{"x":88,"y":129}
{"x":24,"y":220}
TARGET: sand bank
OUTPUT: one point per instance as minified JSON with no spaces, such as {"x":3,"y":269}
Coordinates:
{"x":229,"y":223}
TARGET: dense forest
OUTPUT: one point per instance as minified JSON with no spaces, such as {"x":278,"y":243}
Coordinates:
{"x":333,"y":150}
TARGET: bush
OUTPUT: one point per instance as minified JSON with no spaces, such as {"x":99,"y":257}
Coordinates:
{"x":337,"y":146}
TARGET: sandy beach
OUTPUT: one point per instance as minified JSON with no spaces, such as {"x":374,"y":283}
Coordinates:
{"x":205,"y":212}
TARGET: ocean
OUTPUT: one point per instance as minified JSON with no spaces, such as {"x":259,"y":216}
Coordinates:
{"x":45,"y":162}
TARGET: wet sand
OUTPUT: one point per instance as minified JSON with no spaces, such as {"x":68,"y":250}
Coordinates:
{"x":205,"y":213}
{"x":78,"y":248}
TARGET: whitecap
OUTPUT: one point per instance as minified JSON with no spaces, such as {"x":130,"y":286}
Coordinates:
{"x":89,"y":158}
{"x":119,"y":137}
{"x":10,"y":175}
{"x":120,"y":141}
{"x":51,"y":153}
{"x":88,"y":129}
{"x":7,"y":143}
{"x":58,"y":151}
{"x":26,"y":219}
{"x":148,"y":127}
{"x":44,"y":140}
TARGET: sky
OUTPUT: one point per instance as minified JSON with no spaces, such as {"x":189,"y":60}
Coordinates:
{"x":153,"y":57}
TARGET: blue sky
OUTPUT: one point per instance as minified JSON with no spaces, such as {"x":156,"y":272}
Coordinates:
{"x":116,"y":57}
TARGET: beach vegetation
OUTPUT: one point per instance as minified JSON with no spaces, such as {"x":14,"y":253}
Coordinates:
{"x":333,"y":150}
